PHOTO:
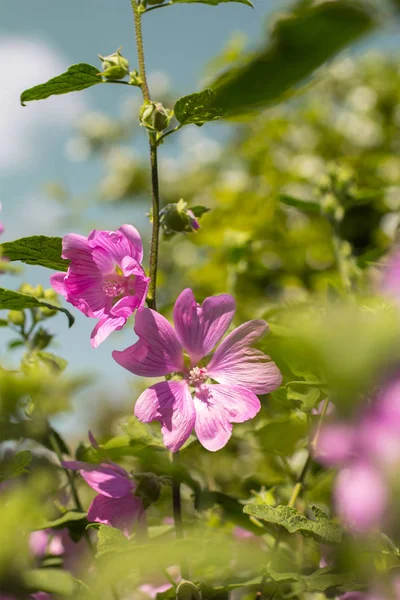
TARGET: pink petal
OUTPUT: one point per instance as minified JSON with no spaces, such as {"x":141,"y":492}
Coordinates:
{"x":108,"y":480}
{"x":121,"y":513}
{"x":133,"y":236}
{"x":199,"y":328}
{"x":212,"y":425}
{"x":361,"y":496}
{"x":103,"y":261}
{"x":158,"y":351}
{"x":169,"y":402}
{"x":115,"y":243}
{"x":74,"y":245}
{"x":235,"y":362}
{"x":240,"y":403}
{"x":104,"y":327}
{"x":38,"y":542}
{"x":335,"y":444}
{"x":57,"y":283}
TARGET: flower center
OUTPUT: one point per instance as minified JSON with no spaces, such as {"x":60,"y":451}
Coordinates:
{"x":197,"y":376}
{"x":113,"y":287}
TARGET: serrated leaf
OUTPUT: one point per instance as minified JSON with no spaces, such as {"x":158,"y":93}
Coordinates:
{"x":110,"y":539}
{"x":323,"y":530}
{"x":319,"y":581}
{"x":52,"y":360}
{"x":212,"y":2}
{"x":196,"y":108}
{"x":78,"y":77}
{"x":71,"y":516}
{"x":53,"y":581}
{"x":15,"y":465}
{"x":302,"y":205}
{"x":283,"y":436}
{"x":10,"y":300}
{"x":37,"y":250}
{"x":306,"y":395}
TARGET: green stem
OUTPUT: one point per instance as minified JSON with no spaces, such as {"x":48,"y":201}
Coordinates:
{"x":137,"y":16}
{"x":300,"y":482}
{"x":158,"y":6}
{"x":177,"y":508}
{"x":341,"y":262}
{"x":164,"y":135}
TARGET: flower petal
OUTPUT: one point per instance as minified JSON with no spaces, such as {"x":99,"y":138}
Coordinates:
{"x":239,"y":403}
{"x":199,"y":328}
{"x":121,"y":513}
{"x":235,"y":362}
{"x":335,"y":444}
{"x":74,"y":245}
{"x":133,"y":236}
{"x":104,"y":327}
{"x":107,"y":480}
{"x":169,"y":402}
{"x":158,"y":351}
{"x":212,"y":425}
{"x":57,"y":283}
{"x":118,"y":244}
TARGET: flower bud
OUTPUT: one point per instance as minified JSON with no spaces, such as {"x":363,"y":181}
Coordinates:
{"x":178,"y":218}
{"x":36,"y":291}
{"x":47,"y":312}
{"x":41,"y":339}
{"x":148,"y":488}
{"x":50,"y":294}
{"x":134,"y":78}
{"x":154,"y":116}
{"x":16,"y":317}
{"x":186,"y":590}
{"x":115,"y":66}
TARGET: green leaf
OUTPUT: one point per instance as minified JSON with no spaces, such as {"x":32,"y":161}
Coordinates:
{"x":323,"y":530}
{"x":305,"y":393}
{"x":52,"y":360}
{"x":78,"y":77}
{"x":36,"y":250}
{"x":283,"y":436}
{"x":211,"y":2}
{"x":197,"y":108}
{"x":232,"y":509}
{"x":300,"y":43}
{"x":53,"y":581}
{"x":302,"y":205}
{"x":199,"y":211}
{"x":10,"y":300}
{"x":16,"y":465}
{"x":71,"y":516}
{"x":110,"y":540}
{"x":319,"y":581}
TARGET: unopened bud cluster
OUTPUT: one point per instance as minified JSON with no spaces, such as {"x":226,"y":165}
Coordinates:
{"x":115,"y":66}
{"x":155,"y":117}
{"x":178,"y":218}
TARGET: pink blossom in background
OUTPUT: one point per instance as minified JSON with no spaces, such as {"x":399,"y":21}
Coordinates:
{"x":194,"y":401}
{"x":115,"y":503}
{"x":390,"y":279}
{"x":335,"y":444}
{"x":361,"y":496}
{"x":158,"y":586}
{"x":1,"y":224}
{"x":105,"y":279}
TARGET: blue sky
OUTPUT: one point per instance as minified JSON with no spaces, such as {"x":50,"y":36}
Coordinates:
{"x":41,"y":39}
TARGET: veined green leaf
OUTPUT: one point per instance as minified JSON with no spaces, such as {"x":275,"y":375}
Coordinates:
{"x":10,"y":300}
{"x":197,"y":108}
{"x":78,"y":77}
{"x":36,"y":250}
{"x":322,"y":530}
{"x":16,"y":465}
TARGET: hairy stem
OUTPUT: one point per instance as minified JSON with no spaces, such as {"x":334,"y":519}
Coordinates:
{"x":137,"y":15}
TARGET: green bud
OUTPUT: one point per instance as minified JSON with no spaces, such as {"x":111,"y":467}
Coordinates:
{"x":178,"y":218}
{"x":50,"y":294}
{"x":331,"y":208}
{"x":115,"y":66}
{"x":134,"y":78}
{"x":48,"y":312}
{"x":16,"y":317}
{"x":148,"y":488}
{"x":186,"y":590}
{"x":154,"y":116}
{"x":36,"y":291}
{"x":41,"y":339}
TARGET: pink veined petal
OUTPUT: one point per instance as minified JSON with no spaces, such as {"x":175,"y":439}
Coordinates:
{"x":212,"y":426}
{"x":103,"y":261}
{"x":107,"y":480}
{"x":113,"y":242}
{"x":240,"y":403}
{"x":133,"y":237}
{"x":104,"y":327}
{"x":169,"y":402}
{"x":87,"y":294}
{"x":74,"y":246}
{"x":121,"y":513}
{"x":199,"y":328}
{"x":235,"y":362}
{"x":158,"y":351}
{"x":57,"y":283}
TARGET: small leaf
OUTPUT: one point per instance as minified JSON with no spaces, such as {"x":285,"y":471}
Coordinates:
{"x":78,"y":77}
{"x":283,"y":436}
{"x":3,"y":323}
{"x":199,"y":211}
{"x":302,"y":205}
{"x":305,"y":393}
{"x":232,"y":509}
{"x":196,"y":108}
{"x":10,"y":300}
{"x":57,"y":363}
{"x":211,"y":2}
{"x":16,"y":465}
{"x":319,"y":581}
{"x":53,"y":581}
{"x":71,"y":516}
{"x":37,"y":250}
{"x":323,"y":530}
{"x":110,"y":540}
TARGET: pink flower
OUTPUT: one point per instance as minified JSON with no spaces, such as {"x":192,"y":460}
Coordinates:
{"x":105,"y":279}
{"x":390,"y":280}
{"x":115,"y":503}
{"x":1,"y":224}
{"x":195,"y":401}
{"x":335,"y":444}
{"x":361,"y":496}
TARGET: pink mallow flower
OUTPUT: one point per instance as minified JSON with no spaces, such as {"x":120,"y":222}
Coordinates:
{"x":206,"y":397}
{"x":115,"y":503}
{"x":105,"y":279}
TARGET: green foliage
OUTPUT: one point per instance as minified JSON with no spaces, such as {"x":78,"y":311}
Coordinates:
{"x":110,"y":540}
{"x":322,"y":530}
{"x":283,"y":436}
{"x":53,"y":581}
{"x":211,"y":2}
{"x":10,"y":300}
{"x":68,"y":519}
{"x":36,"y":250}
{"x":197,"y":108}
{"x":319,"y":581}
{"x":78,"y":77}
{"x":15,"y":465}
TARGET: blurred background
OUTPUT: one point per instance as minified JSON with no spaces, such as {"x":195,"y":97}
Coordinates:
{"x":77,"y":162}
